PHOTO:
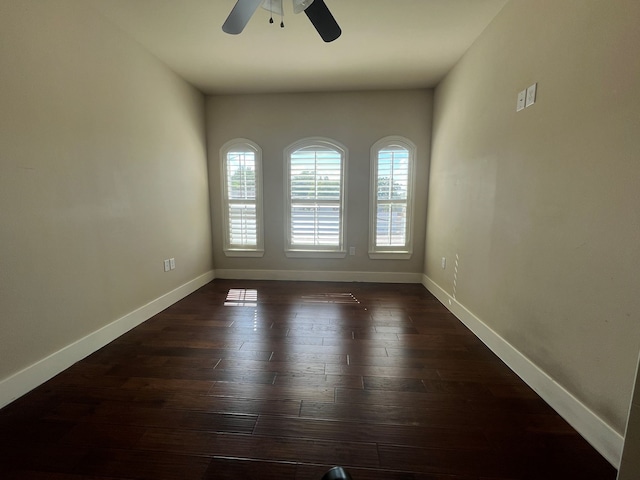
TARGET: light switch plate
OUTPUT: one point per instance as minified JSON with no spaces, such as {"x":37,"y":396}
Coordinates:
{"x":521,"y":97}
{"x":172,"y":263}
{"x":531,"y":95}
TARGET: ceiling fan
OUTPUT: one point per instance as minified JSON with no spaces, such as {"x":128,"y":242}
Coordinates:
{"x":316,"y":10}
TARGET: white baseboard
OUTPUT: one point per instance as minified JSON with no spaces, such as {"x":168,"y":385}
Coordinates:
{"x":36,"y":374}
{"x":320,"y":276}
{"x":595,"y":430}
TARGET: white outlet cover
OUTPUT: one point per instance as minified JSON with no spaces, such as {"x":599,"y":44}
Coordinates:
{"x":167,"y":265}
{"x":531,"y":95}
{"x":521,"y":98}
{"x":172,"y":263}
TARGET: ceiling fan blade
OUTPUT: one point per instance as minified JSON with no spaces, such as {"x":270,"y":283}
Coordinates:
{"x":240,"y":16}
{"x":323,"y":21}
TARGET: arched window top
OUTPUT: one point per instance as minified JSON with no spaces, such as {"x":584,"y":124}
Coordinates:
{"x":240,"y":145}
{"x":316,"y":143}
{"x":394,"y":142}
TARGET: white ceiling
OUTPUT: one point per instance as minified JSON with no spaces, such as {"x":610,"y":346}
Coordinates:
{"x":385,"y":44}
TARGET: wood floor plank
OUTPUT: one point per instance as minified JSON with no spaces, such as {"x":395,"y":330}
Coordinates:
{"x":383,"y":371}
{"x":35,"y":475}
{"x":50,"y":457}
{"x":235,"y":404}
{"x":359,"y":341}
{"x":106,"y":435}
{"x":384,"y":361}
{"x":271,"y":392}
{"x":283,"y":356}
{"x":401,"y":398}
{"x":282,"y":367}
{"x":306,"y":472}
{"x":396,"y":384}
{"x":319,"y":381}
{"x":167,"y":385}
{"x":221,"y":468}
{"x":260,"y":447}
{"x":388,"y":414}
{"x":140,"y":465}
{"x":444,"y":461}
{"x":298,"y":427}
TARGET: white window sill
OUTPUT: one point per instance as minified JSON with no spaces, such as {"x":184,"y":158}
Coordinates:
{"x":313,"y":254}
{"x":390,"y":255}
{"x":244,"y":253}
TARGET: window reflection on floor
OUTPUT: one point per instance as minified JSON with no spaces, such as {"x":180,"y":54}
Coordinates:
{"x":241,"y":297}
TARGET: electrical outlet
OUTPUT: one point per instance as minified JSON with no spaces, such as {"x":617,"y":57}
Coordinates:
{"x":172,"y":263}
{"x":352,"y":250}
{"x":167,"y":265}
{"x":444,"y":262}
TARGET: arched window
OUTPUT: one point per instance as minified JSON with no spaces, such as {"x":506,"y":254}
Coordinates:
{"x":392,"y":172}
{"x":241,"y":161}
{"x":315,"y":191}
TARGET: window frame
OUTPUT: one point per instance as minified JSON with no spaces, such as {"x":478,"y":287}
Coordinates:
{"x":315,"y":251}
{"x":241,"y":250}
{"x":392,"y":251}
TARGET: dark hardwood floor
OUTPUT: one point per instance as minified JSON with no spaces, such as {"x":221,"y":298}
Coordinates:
{"x":378,"y":378}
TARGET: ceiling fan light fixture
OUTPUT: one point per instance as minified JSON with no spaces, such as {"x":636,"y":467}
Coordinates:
{"x":315,"y":10}
{"x":273,"y":6}
{"x":300,"y":6}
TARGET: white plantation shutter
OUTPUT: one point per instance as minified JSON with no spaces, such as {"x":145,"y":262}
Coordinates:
{"x":392,"y":180}
{"x":241,"y":185}
{"x":392,"y":166}
{"x":242,"y":182}
{"x":315,"y":197}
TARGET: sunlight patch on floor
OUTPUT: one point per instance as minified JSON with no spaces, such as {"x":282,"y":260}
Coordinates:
{"x":241,"y":297}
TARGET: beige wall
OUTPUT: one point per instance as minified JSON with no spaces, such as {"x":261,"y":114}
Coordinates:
{"x":104,"y":175}
{"x":357,"y":120}
{"x":543,"y":206}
